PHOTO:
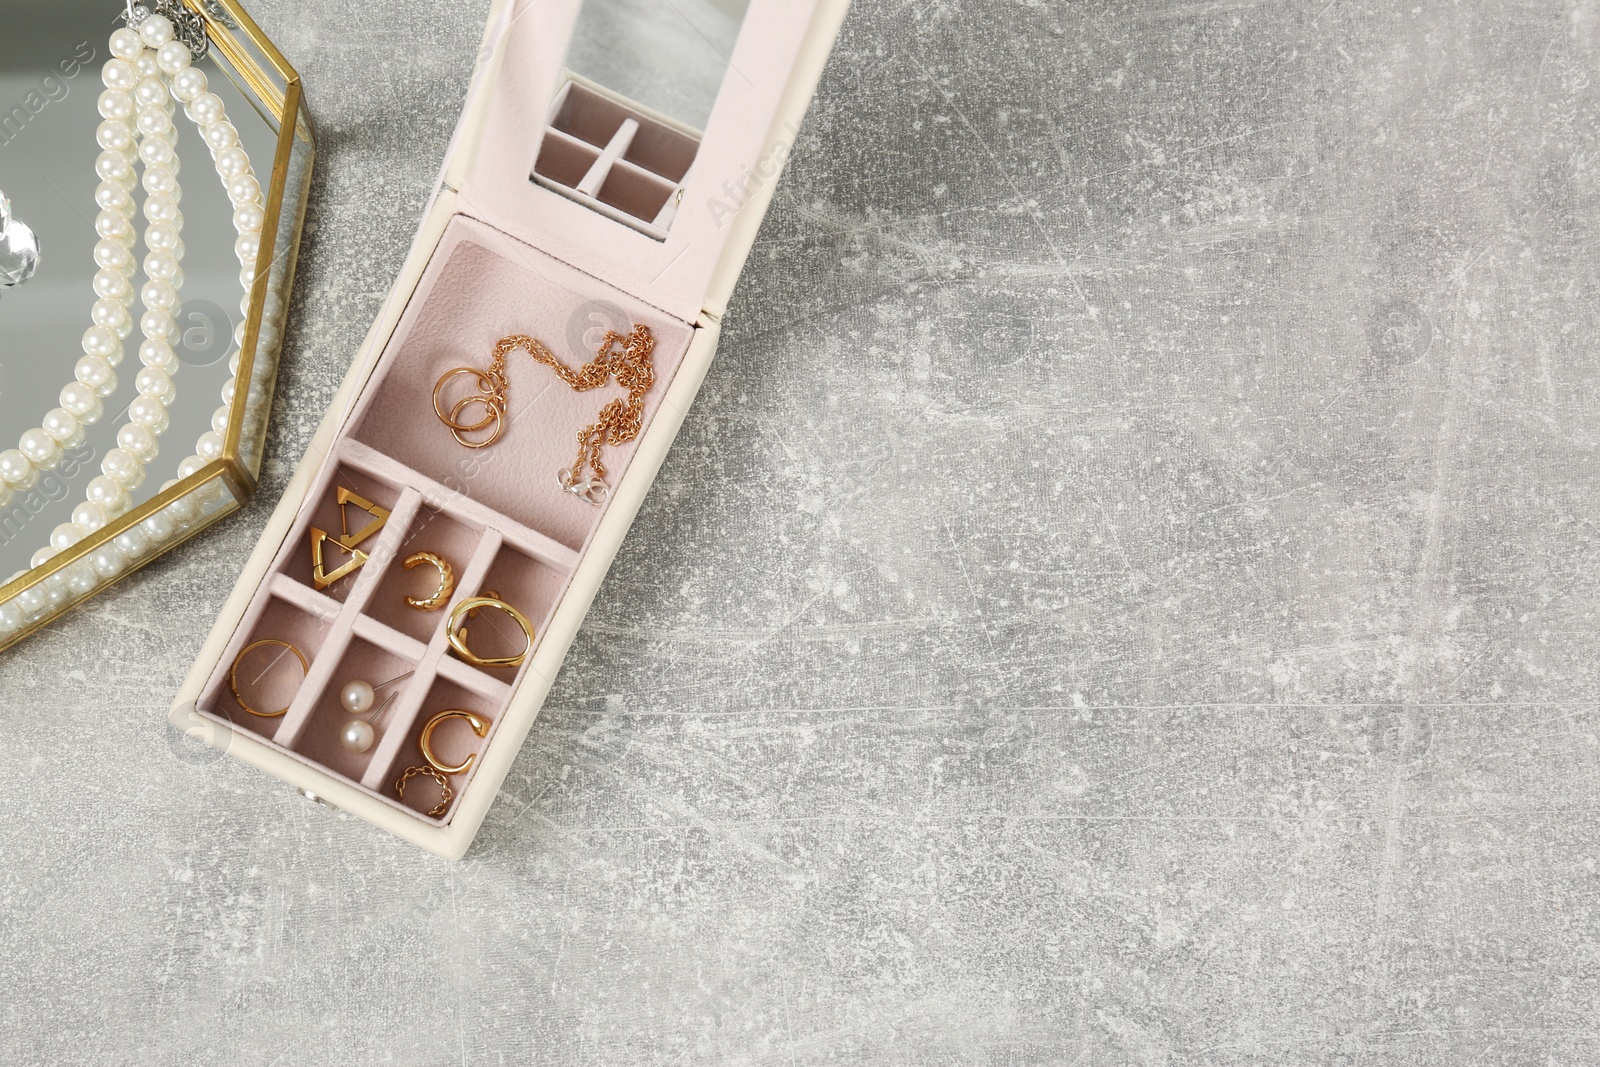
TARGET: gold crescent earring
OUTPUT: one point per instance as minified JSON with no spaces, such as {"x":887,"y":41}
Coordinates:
{"x":447,"y":580}
{"x":480,"y":726}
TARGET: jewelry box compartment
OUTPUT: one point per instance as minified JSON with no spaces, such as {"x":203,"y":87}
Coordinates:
{"x":615,"y":157}
{"x":382,"y":577}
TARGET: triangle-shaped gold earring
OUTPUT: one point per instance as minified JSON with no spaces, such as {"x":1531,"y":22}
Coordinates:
{"x":379,"y":516}
{"x":321,"y":578}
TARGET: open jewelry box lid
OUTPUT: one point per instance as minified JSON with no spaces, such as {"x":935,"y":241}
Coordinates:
{"x":712,"y":210}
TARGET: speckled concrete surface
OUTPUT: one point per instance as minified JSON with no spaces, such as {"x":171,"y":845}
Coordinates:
{"x":1126,"y":596}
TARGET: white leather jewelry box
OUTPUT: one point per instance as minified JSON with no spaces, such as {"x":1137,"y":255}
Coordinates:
{"x":563,"y":209}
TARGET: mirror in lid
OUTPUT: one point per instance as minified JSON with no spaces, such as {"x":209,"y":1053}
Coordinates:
{"x":155,"y":161}
{"x":641,"y":79}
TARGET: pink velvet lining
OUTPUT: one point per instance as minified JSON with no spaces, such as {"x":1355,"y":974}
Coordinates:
{"x":497,"y":515}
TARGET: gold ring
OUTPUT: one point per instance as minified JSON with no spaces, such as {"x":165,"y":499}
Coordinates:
{"x":457,"y":630}
{"x":444,"y":784}
{"x":480,"y":726}
{"x":447,"y":581}
{"x":233,"y":674}
{"x":494,"y":409}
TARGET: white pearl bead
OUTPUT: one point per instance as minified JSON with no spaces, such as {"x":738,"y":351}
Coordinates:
{"x":153,"y":122}
{"x":65,"y":536}
{"x":110,"y":285}
{"x":113,"y":256}
{"x":17,"y":470}
{"x":249,"y":218}
{"x":146,"y":66}
{"x":109,"y":494}
{"x":41,"y":449}
{"x":35,"y":604}
{"x":97,"y":374}
{"x":116,"y":104}
{"x":162,"y":209}
{"x":228,"y":388}
{"x":114,"y":197}
{"x":107,"y":562}
{"x":112,"y":315}
{"x":161,"y":237}
{"x":124,"y":468}
{"x":209,"y":445}
{"x":158,"y":294}
{"x":244,"y":189}
{"x":220,"y":135}
{"x":357,"y":697}
{"x":131,"y":543}
{"x":138,"y":441}
{"x":83,"y":402}
{"x":64,"y":427}
{"x":150,"y":92}
{"x":102,"y":340}
{"x":158,"y":323}
{"x":232,"y":162}
{"x":247,"y":248}
{"x":125,"y":44}
{"x":192,"y":465}
{"x":161,"y":181}
{"x":219,"y":420}
{"x":157,"y":352}
{"x":114,"y":226}
{"x":357,"y":735}
{"x":114,"y":167}
{"x":185,"y":509}
{"x":174,"y":56}
{"x":233,"y":363}
{"x":150,"y":413}
{"x":154,"y":382}
{"x":205,"y":109}
{"x":119,"y":74}
{"x":89,"y":516}
{"x":163,"y":265}
{"x":114,"y":135}
{"x":155,"y":31}
{"x":81,"y":579}
{"x":159,"y":527}
{"x":188,"y":84}
{"x":157,"y":153}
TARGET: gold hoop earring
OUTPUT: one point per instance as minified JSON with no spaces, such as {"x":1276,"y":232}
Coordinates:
{"x":480,"y":726}
{"x":233,"y":674}
{"x":492,"y":400}
{"x":447,"y":580}
{"x":428,"y":772}
{"x":457,"y":630}
{"x":380,"y":516}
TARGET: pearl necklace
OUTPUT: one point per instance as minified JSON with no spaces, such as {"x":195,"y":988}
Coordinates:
{"x":149,"y":69}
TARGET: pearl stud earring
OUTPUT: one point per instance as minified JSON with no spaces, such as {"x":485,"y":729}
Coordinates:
{"x":358,"y":698}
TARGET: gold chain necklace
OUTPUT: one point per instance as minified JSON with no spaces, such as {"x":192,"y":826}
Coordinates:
{"x":625,"y":357}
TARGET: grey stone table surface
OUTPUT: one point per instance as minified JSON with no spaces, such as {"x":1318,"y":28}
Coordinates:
{"x":1127,"y":594}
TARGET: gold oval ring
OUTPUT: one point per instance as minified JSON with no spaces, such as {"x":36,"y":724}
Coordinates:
{"x":457,"y":630}
{"x":233,"y":674}
{"x":480,"y":726}
{"x":447,"y":580}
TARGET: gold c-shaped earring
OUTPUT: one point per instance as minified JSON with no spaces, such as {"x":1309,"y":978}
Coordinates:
{"x":447,"y":580}
{"x":480,"y":726}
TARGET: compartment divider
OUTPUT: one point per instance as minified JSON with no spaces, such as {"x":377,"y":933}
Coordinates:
{"x":387,"y":637}
{"x":384,"y":549}
{"x":601,"y":167}
{"x":454,"y":503}
{"x":408,"y":705}
{"x":304,"y":597}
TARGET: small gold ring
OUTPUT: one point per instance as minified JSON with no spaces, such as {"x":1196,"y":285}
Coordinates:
{"x":494,"y":413}
{"x":444,"y":784}
{"x":457,"y":630}
{"x":233,"y":674}
{"x":447,"y":581}
{"x":480,"y":726}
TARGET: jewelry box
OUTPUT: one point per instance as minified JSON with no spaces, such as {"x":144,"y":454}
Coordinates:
{"x":565,"y":210}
